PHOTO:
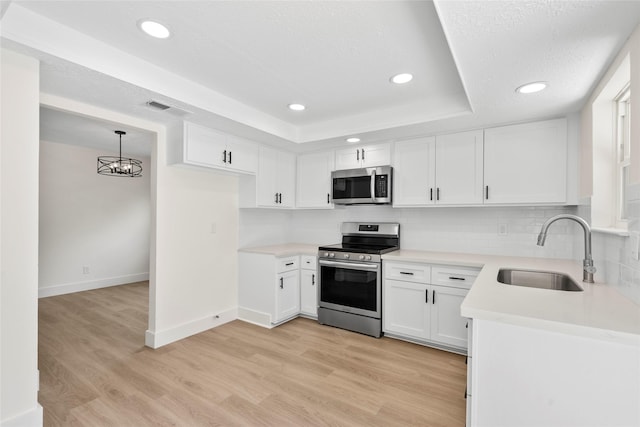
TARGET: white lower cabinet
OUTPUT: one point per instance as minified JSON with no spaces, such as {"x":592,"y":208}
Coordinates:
{"x":308,"y":286}
{"x":422,"y":303}
{"x":268,"y":288}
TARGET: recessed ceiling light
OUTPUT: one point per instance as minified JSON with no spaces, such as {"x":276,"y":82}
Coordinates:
{"x":532,"y":87}
{"x":297,"y":107}
{"x":353,"y":140}
{"x":402,"y":78}
{"x":154,"y":29}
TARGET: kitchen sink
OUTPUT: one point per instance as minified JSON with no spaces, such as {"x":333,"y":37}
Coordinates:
{"x":538,"y":279}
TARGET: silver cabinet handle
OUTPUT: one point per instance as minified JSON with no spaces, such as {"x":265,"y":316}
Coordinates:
{"x":229,"y":157}
{"x":282,"y":283}
{"x":431,"y":194}
{"x":328,"y":198}
{"x":486,"y":192}
{"x":433,"y":300}
{"x":313,"y":280}
{"x":224,"y":156}
{"x":363,"y":154}
{"x":358,"y":155}
{"x":276,"y":197}
{"x":426,"y":296}
{"x":407,"y":273}
{"x":456,"y":278}
{"x":438,"y":193}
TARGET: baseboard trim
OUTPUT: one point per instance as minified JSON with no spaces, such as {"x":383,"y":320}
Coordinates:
{"x":32,"y":418}
{"x":255,"y":317}
{"x":69,"y":288}
{"x":157,"y":339}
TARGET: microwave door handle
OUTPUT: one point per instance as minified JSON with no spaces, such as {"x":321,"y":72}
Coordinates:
{"x":373,"y":184}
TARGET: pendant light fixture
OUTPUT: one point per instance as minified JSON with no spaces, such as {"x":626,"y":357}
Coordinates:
{"x":119,"y":166}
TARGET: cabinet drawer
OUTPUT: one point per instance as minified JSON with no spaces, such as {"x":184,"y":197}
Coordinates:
{"x":457,"y":277}
{"x":308,"y":262}
{"x":287,"y":264}
{"x":407,"y":272}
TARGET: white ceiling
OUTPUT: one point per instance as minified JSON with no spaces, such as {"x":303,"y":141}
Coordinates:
{"x":236,"y":65}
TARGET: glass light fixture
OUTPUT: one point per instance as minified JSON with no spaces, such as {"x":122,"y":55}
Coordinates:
{"x":353,"y":140}
{"x":119,"y":166}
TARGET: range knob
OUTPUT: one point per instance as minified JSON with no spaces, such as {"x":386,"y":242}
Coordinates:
{"x":368,"y":257}
{"x":361,"y":257}
{"x":346,"y":255}
{"x":331,"y":255}
{"x":326,"y":254}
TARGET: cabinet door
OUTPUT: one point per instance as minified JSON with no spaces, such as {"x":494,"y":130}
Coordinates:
{"x":309,"y":292}
{"x":406,"y":308}
{"x":459,"y":168}
{"x":286,"y":184}
{"x":414,"y":172}
{"x":267,"y":178}
{"x":203,"y":146}
{"x":314,"y":180}
{"x":447,"y":325}
{"x":375,"y":155}
{"x":287,"y":296}
{"x":526,"y":163}
{"x":242,"y":155}
{"x":349,"y":158}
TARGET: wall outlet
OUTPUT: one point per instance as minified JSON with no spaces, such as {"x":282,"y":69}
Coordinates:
{"x":503,"y":229}
{"x":85,"y":270}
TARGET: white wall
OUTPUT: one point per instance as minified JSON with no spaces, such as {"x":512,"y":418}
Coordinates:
{"x":469,"y":229}
{"x":19,"y":240}
{"x":90,"y":220}
{"x":612,"y":253}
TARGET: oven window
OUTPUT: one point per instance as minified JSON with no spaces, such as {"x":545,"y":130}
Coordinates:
{"x":351,"y":288}
{"x":356,"y":187}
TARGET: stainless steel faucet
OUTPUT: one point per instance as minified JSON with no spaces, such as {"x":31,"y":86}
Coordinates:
{"x":587,"y":264}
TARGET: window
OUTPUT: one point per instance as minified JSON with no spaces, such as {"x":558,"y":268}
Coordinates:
{"x":611,"y":123}
{"x":623,"y":134}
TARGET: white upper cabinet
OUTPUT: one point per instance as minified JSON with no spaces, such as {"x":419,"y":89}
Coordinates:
{"x":414,"y":172}
{"x":445,"y":170}
{"x":275,"y":181}
{"x":363,"y":157}
{"x":214,"y":149}
{"x":313,"y":188}
{"x":526,"y":163}
{"x":459,"y":168}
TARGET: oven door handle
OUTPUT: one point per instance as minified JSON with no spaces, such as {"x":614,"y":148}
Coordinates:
{"x":352,"y":265}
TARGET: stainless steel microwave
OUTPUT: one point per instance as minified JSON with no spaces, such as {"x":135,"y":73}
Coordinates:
{"x":365,"y":186}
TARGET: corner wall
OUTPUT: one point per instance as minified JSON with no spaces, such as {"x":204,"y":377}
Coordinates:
{"x":90,"y":221}
{"x":20,"y":95}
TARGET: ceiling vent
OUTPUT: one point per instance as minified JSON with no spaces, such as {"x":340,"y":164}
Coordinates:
{"x":157,"y":105}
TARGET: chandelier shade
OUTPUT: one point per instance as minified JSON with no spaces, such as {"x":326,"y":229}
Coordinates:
{"x":118,"y":165}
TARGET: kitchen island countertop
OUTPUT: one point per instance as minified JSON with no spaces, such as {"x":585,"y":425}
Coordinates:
{"x":599,"y":312}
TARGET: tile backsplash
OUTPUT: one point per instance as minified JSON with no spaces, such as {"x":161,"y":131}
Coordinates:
{"x":487,"y":230}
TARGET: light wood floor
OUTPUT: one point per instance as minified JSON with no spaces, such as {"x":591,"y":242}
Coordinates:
{"x":95,"y":370}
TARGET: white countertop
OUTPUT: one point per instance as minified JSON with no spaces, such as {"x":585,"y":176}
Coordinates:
{"x":285,"y":249}
{"x":599,"y":312}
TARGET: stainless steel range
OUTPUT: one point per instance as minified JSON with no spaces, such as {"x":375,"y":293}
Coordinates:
{"x":350,"y":276}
